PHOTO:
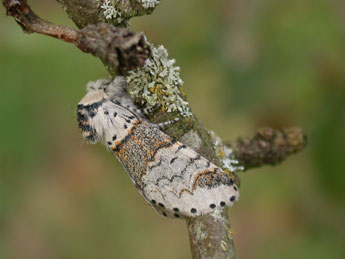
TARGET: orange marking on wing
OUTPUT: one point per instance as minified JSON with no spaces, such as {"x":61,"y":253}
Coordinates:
{"x":199,"y":174}
{"x":184,"y":190}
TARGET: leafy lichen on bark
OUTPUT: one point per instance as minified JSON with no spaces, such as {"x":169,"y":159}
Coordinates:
{"x":85,"y":12}
{"x":158,"y":85}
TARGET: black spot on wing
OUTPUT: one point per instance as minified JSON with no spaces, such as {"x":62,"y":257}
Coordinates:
{"x":86,"y":128}
{"x":180,"y":147}
{"x":116,"y":102}
{"x":80,"y":107}
{"x":92,"y":114}
{"x":173,"y":159}
{"x":82,"y":117}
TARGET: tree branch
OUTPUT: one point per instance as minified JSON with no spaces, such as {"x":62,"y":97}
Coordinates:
{"x":211,"y":236}
{"x":122,"y":51}
{"x":119,"y":49}
{"x":30,"y":22}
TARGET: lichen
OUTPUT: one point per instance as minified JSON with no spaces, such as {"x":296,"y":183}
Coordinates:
{"x":110,"y":12}
{"x":225,"y":154}
{"x":149,"y":3}
{"x":158,"y":84}
{"x":224,"y":245}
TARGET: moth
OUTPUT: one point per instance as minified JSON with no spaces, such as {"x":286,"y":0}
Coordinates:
{"x":174,"y":179}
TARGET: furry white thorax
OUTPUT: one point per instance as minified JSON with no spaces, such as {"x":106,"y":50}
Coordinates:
{"x":116,"y":102}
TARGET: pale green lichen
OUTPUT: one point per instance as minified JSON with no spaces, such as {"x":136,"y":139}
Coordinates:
{"x":224,"y":245}
{"x":225,"y":154}
{"x":110,"y":12}
{"x":149,"y":3}
{"x":158,"y":83}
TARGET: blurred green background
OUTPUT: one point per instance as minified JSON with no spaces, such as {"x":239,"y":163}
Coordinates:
{"x":245,"y":64}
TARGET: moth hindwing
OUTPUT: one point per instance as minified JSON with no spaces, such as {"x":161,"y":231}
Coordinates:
{"x":174,"y":179}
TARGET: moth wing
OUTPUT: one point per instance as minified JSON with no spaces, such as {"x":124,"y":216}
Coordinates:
{"x":181,"y":183}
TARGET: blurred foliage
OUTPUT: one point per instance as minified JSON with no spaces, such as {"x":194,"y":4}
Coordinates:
{"x":245,"y":64}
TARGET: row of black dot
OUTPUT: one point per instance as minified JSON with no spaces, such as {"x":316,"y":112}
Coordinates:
{"x":193,"y":210}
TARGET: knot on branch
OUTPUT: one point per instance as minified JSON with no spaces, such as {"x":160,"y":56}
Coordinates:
{"x":121,"y":50}
{"x":268,"y":146}
{"x":21,"y":12}
{"x":16,"y":7}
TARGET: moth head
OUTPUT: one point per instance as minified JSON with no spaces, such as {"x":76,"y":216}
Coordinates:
{"x":95,"y":92}
{"x":88,"y":108}
{"x":97,"y":85}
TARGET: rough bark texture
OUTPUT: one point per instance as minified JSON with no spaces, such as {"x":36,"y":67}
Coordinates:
{"x":121,"y":51}
{"x":268,"y":146}
{"x":211,"y":236}
{"x":85,"y":12}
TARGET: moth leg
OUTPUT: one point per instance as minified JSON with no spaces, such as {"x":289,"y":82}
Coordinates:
{"x":163,"y":125}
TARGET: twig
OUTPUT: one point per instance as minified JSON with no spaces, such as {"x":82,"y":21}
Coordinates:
{"x":268,"y":146}
{"x":30,"y":22}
